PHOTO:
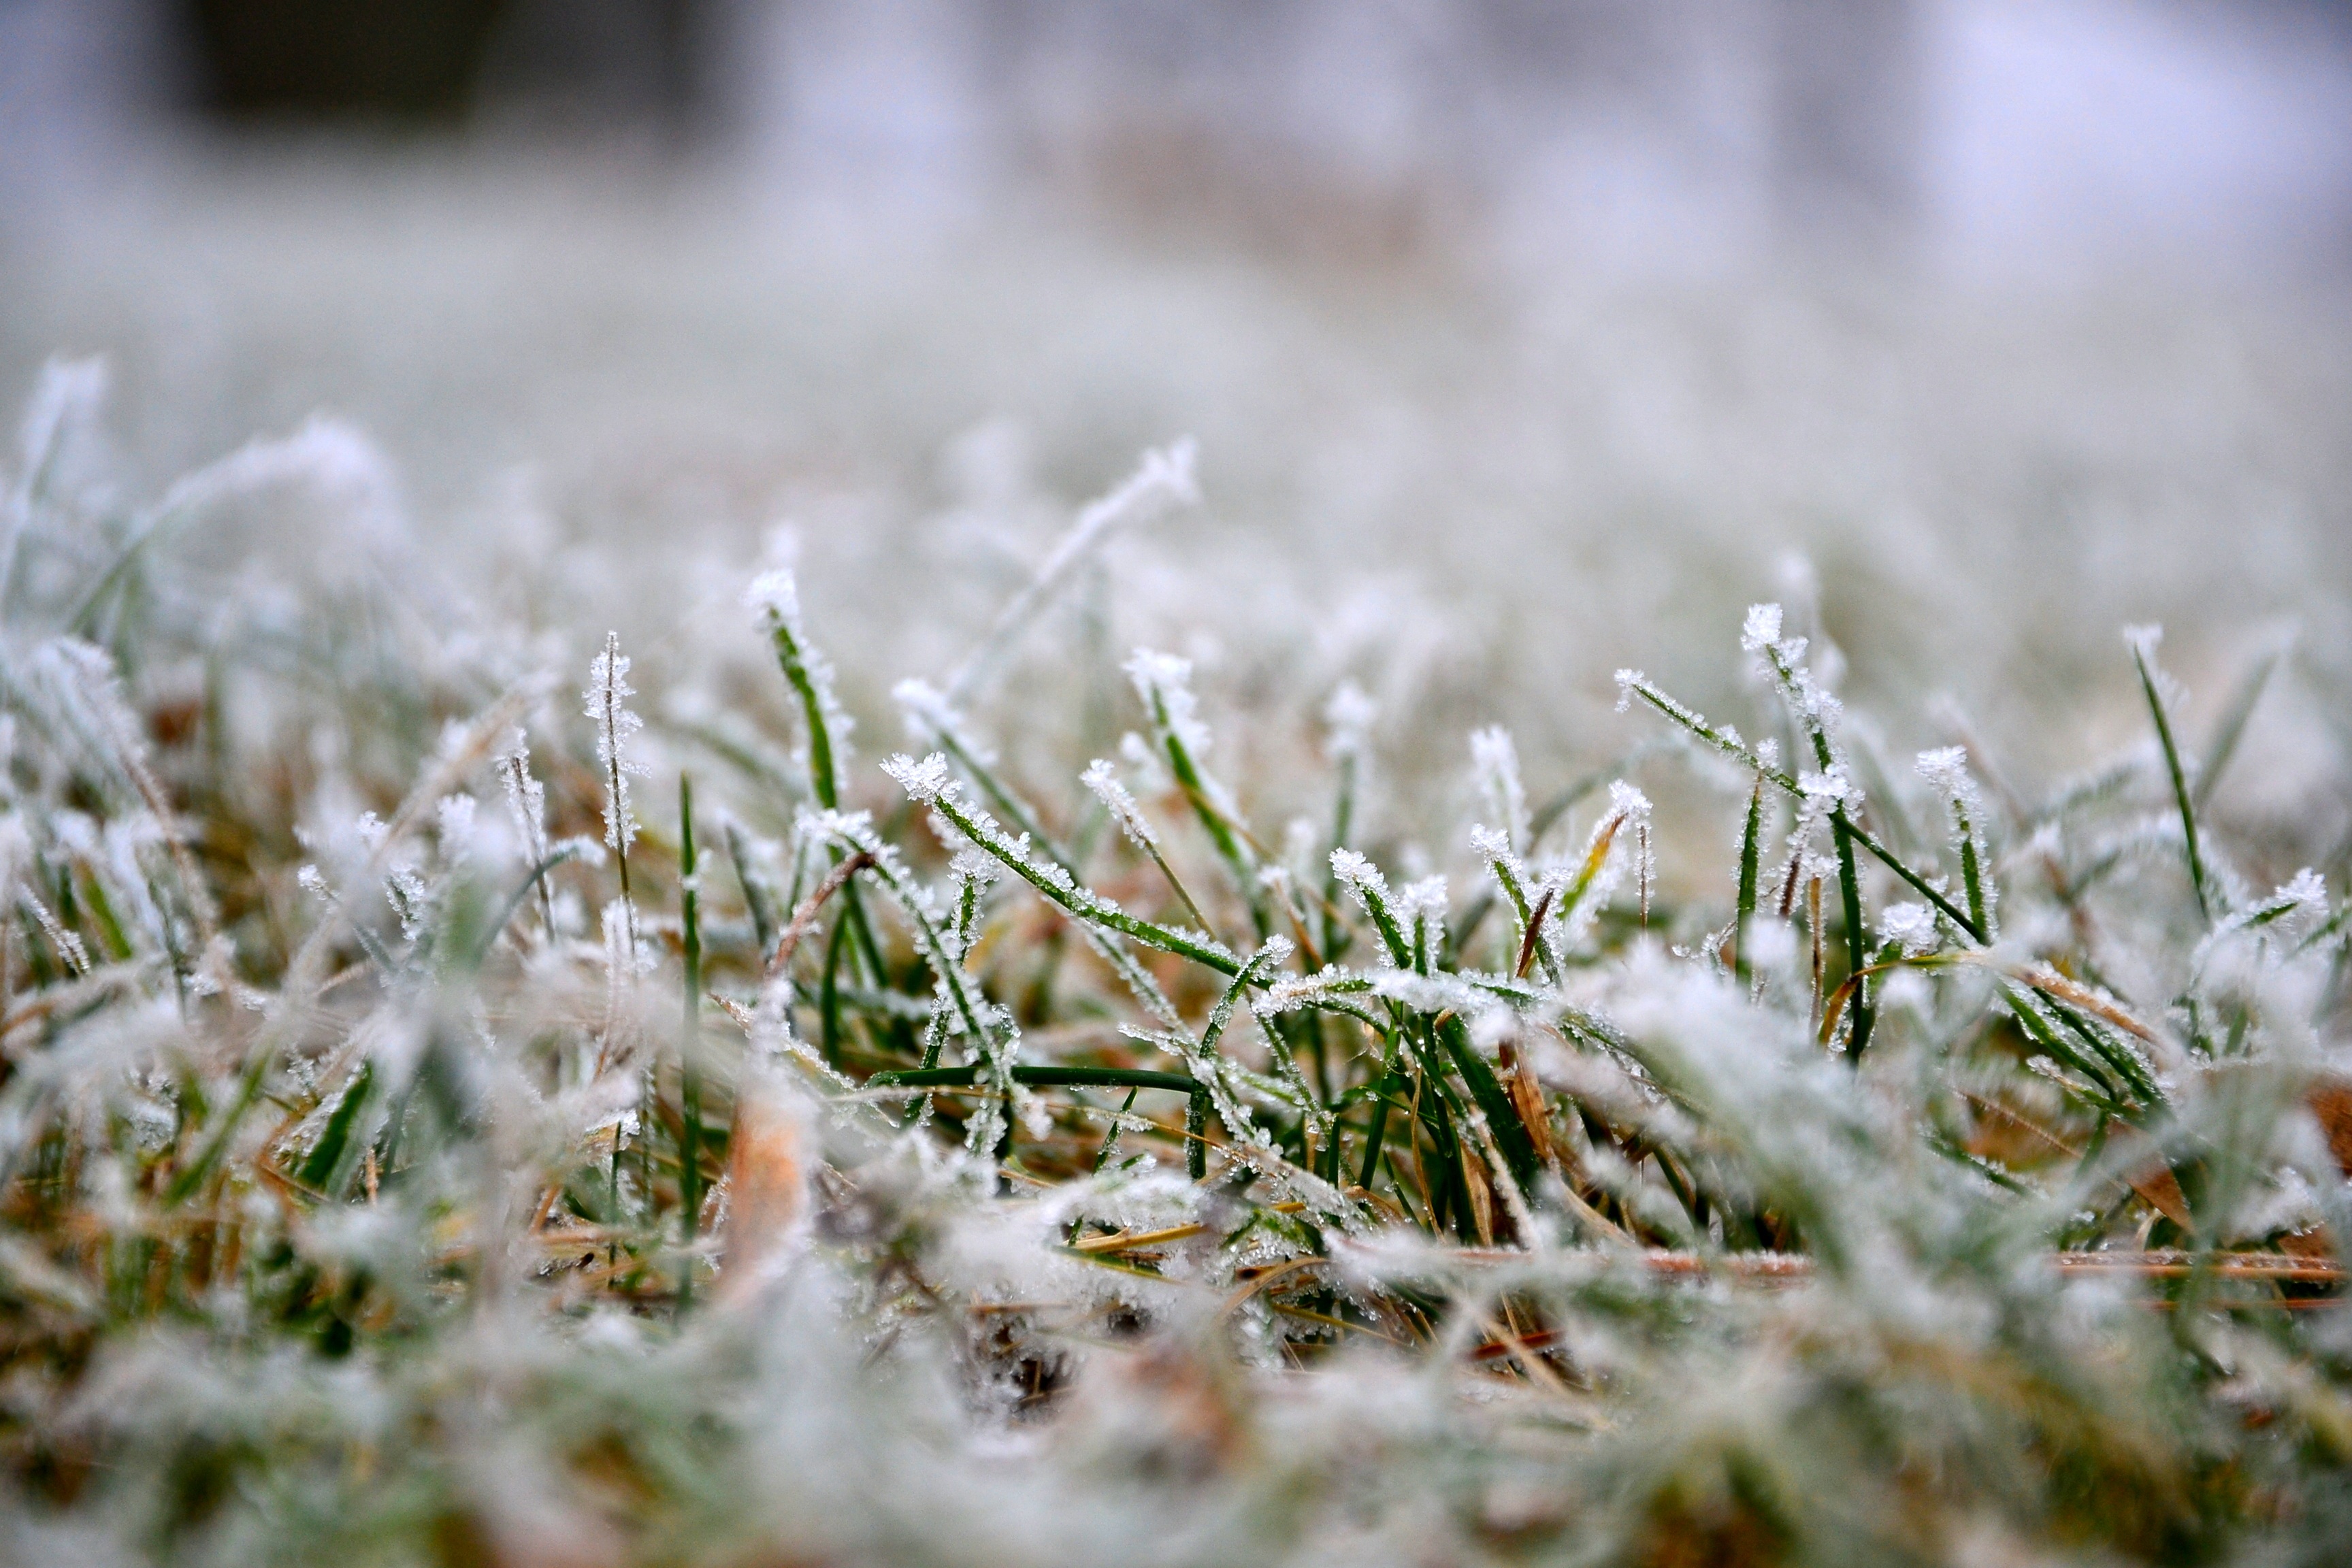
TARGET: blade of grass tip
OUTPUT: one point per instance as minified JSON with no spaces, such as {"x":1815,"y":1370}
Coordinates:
{"x":1364,"y":879}
{"x":1163,"y":683}
{"x":1533,"y":943}
{"x":607,"y":704}
{"x":1947,"y":770}
{"x":775,"y":597}
{"x":690,"y":1051}
{"x":2142,"y":641}
{"x":1972,"y":881}
{"x":939,"y":718}
{"x":1596,"y":856}
{"x":1632,"y":684}
{"x":1163,"y":481}
{"x":1813,"y":710}
{"x":1506,"y":867}
{"x":997,"y":1047}
{"x":527,"y":802}
{"x":929,"y":783}
{"x":1751,"y":849}
{"x":1110,"y":1139}
{"x":1102,"y":780}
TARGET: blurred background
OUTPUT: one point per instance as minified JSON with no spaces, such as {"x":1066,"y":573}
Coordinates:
{"x":1523,"y":339}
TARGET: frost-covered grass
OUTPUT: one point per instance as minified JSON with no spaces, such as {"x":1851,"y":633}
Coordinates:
{"x":461,"y":1108}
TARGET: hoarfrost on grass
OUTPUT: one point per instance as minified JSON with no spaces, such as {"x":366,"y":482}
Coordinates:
{"x":371,"y":1216}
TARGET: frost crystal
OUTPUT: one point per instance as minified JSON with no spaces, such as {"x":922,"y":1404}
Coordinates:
{"x":1347,"y":717}
{"x":1424,"y":899}
{"x":924,"y":782}
{"x":1835,"y":787}
{"x":1359,"y":874}
{"x":1628,"y":682}
{"x":1103,"y":780}
{"x":1946,"y":770}
{"x":775,"y":595}
{"x":1913,"y":926}
{"x":526,"y":799}
{"x":2306,"y":891}
{"x":605,"y":701}
{"x":1762,"y":629}
{"x":1164,"y":683}
{"x":1629,"y":806}
{"x":455,"y":817}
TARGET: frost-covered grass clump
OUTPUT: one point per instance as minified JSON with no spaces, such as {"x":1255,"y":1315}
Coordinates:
{"x":450,"y":1114}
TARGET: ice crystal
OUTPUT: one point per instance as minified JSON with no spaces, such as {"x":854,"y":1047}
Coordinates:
{"x":1102,"y":779}
{"x":1505,"y":1229}
{"x":1347,"y":716}
{"x":1911,"y":926}
{"x":924,"y":782}
{"x":1164,"y":683}
{"x":605,"y":702}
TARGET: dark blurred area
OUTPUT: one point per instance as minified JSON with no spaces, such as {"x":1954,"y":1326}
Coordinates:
{"x":329,"y":57}
{"x":424,"y":61}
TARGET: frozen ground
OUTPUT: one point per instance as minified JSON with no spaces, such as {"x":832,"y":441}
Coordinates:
{"x":1857,"y":1156}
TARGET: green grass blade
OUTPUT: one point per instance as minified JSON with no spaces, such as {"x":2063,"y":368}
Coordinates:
{"x":1057,"y":885}
{"x":1040,"y":1076}
{"x":2143,"y":652}
{"x":1730,"y":745}
{"x":690,"y":1045}
{"x":1752,"y":847}
{"x":322,"y":1170}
